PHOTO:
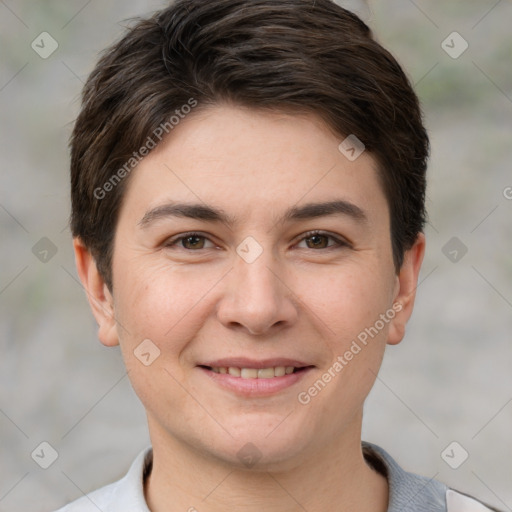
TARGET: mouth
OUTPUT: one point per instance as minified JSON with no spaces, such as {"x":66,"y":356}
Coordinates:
{"x":255,"y":379}
{"x":255,"y":373}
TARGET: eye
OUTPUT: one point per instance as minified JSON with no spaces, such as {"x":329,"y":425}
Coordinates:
{"x":319,"y":239}
{"x":188,"y":241}
{"x":196,"y":241}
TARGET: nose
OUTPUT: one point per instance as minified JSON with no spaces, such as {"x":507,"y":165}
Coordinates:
{"x":258,"y":297}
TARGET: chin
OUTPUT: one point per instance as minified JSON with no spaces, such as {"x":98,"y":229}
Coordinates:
{"x":262,"y":449}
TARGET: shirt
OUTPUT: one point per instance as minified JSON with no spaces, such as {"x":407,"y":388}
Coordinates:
{"x":407,"y":491}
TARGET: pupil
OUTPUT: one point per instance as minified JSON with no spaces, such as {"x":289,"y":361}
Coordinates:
{"x":318,"y":240}
{"x":196,"y":238}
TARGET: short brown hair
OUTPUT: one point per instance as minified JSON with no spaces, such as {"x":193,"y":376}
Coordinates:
{"x":281,"y":55}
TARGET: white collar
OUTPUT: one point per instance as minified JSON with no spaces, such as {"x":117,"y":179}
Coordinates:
{"x":408,"y":491}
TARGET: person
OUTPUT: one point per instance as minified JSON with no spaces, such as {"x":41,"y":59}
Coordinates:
{"x":248,"y":202}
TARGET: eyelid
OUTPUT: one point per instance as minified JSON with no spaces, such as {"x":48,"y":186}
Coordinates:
{"x":340,"y":241}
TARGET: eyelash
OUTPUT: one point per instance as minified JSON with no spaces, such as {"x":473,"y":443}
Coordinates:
{"x":338,"y":242}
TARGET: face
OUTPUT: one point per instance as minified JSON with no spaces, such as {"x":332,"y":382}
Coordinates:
{"x":283,"y":265}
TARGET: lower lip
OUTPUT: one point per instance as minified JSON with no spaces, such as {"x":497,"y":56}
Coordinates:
{"x":255,"y":387}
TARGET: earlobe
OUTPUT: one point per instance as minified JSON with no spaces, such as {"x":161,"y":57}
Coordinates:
{"x":406,"y":290}
{"x":98,"y":294}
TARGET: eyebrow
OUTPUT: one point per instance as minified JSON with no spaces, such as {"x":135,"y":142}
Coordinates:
{"x":211,"y":214}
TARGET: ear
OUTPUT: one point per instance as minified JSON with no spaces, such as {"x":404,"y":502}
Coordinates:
{"x":405,"y":291}
{"x":98,"y":294}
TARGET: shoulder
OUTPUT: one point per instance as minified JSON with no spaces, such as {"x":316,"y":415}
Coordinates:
{"x":459,"y":502}
{"x":125,"y":495}
{"x":99,"y":499}
{"x":415,"y":493}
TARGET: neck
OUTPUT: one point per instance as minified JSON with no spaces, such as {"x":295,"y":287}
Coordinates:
{"x":334,"y":478}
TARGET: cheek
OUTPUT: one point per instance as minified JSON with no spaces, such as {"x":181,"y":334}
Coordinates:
{"x":162,"y":302}
{"x":157,"y":312}
{"x":348,"y":300}
{"x":354,"y":336}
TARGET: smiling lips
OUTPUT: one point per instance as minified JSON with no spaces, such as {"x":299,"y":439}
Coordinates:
{"x":255,"y":373}
{"x":242,"y":374}
{"x":252,"y":369}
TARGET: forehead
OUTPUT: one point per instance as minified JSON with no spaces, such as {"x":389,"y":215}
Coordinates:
{"x":251,"y":163}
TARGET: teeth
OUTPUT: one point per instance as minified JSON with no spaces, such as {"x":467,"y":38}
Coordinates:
{"x":256,"y":373}
{"x":279,"y":371}
{"x":249,"y":373}
{"x":266,"y":373}
{"x":233,"y":371}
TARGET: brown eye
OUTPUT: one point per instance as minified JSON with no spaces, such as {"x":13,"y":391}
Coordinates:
{"x":188,"y":241}
{"x":320,"y":240}
{"x":193,"y":242}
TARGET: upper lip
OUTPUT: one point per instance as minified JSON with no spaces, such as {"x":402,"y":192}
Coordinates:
{"x":244,"y":362}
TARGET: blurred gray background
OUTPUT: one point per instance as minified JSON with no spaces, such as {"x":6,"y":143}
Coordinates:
{"x":449,"y":381}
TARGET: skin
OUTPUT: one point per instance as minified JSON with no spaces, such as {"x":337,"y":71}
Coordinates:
{"x":298,"y":299}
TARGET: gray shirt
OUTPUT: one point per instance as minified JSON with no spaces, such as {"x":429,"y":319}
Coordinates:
{"x":408,"y":492}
